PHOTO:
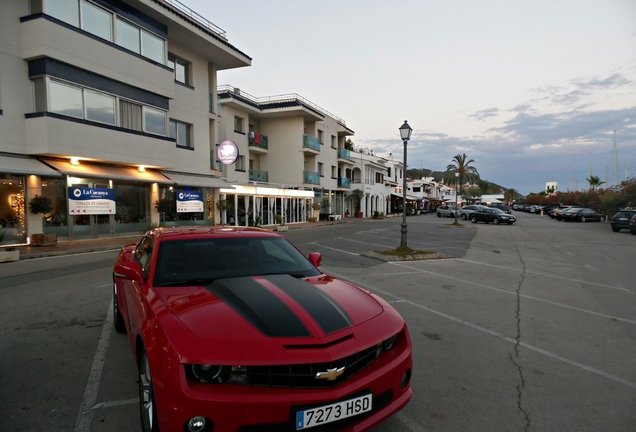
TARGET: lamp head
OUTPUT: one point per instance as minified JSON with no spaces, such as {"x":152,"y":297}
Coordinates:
{"x":405,"y":131}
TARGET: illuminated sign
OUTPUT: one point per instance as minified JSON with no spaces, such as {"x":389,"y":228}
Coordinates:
{"x":227,"y":152}
{"x":91,"y":201}
{"x":189,"y":202}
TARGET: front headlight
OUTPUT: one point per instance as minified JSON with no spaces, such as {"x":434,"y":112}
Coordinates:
{"x":216,"y":374}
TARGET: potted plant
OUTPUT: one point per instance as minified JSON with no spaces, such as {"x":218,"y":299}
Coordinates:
{"x":280,"y":220}
{"x":316,"y":207}
{"x":357,"y":196}
{"x":8,"y":253}
{"x":41,"y":204}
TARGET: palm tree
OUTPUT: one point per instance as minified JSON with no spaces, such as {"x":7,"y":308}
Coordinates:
{"x":511,"y":195}
{"x":595,"y":182}
{"x":462,"y":165}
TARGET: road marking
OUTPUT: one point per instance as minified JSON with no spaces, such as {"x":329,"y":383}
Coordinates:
{"x":334,"y":249}
{"x":549,"y":275}
{"x":111,"y":404}
{"x":496,"y":334}
{"x":85,"y":415}
{"x":513,"y":293}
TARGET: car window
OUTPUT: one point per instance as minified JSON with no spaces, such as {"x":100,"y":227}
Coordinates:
{"x":201,"y":261}
{"x":143,"y":254}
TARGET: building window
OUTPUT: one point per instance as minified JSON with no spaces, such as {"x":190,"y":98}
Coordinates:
{"x":97,"y":21}
{"x":181,"y":69}
{"x":130,"y":115}
{"x":127,"y":35}
{"x":240,"y":163}
{"x":320,"y":136}
{"x":333,"y":142}
{"x":239,"y":124}
{"x":321,"y":169}
{"x":66,"y":100}
{"x":106,"y":25}
{"x":181,"y":133}
{"x":334,"y":172}
{"x":154,"y":121}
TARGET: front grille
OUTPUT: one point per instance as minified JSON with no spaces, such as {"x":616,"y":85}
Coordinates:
{"x":304,"y":375}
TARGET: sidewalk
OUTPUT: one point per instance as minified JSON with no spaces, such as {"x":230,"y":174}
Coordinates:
{"x":69,"y":247}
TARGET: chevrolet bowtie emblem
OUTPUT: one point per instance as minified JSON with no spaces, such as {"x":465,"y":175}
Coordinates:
{"x":331,"y":374}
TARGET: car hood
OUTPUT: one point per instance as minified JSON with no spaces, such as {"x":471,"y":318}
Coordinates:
{"x":266,"y":316}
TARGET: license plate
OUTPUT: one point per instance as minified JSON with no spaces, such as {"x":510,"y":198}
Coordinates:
{"x":330,"y":413}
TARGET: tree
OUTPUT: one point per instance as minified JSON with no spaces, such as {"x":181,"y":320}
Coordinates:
{"x":472,"y":194}
{"x":462,"y":165}
{"x":511,"y":195}
{"x":594,"y":182}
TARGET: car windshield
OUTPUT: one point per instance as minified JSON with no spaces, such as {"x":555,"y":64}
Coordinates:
{"x":202,"y":261}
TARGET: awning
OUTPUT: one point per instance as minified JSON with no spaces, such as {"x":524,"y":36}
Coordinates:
{"x":409,"y":197}
{"x":197,"y":180}
{"x":25,"y":165}
{"x":89,"y":170}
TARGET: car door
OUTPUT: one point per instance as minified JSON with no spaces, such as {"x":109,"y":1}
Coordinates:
{"x":136,"y":290}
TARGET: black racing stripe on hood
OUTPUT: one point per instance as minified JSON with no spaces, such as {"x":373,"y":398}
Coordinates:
{"x":322,"y":308}
{"x":259,"y":306}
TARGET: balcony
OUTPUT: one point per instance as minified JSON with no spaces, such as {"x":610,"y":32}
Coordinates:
{"x":311,"y":144}
{"x":344,"y":182}
{"x":344,"y":154}
{"x":259,"y":176}
{"x":311,"y":177}
{"x":258,"y":142}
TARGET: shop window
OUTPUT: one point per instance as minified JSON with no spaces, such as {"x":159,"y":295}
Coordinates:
{"x":12,"y":209}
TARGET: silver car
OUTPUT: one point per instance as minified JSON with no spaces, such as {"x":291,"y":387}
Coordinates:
{"x":466,"y":211}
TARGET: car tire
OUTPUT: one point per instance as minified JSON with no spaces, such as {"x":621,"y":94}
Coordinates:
{"x":473,"y":219}
{"x":633,"y":232}
{"x":495,"y":221}
{"x":147,"y":405}
{"x":464,"y":216}
{"x":583,"y":219}
{"x":439,"y":215}
{"x":118,"y":319}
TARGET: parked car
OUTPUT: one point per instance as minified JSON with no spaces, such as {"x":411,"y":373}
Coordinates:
{"x":632,"y":225}
{"x":224,"y":318}
{"x":564,"y":214}
{"x":503,"y":207}
{"x":493,"y":215}
{"x":588,"y":215}
{"x":466,"y":211}
{"x":621,"y":220}
{"x":447,"y":211}
{"x":581,"y":215}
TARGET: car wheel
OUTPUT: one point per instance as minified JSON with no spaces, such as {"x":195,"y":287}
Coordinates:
{"x":633,"y":232}
{"x":147,"y":406}
{"x":464,"y":216}
{"x":495,"y":221}
{"x":583,"y":219}
{"x":118,"y":319}
{"x":439,"y":215}
{"x":473,"y":219}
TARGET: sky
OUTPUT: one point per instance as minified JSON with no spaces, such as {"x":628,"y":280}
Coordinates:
{"x":533,"y":91}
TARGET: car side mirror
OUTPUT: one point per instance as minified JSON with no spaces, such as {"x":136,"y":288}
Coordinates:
{"x":129,"y":270}
{"x":315,"y":258}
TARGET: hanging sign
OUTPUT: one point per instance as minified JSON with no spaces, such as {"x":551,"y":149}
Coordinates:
{"x":91,"y":201}
{"x":227,"y":152}
{"x":189,"y":202}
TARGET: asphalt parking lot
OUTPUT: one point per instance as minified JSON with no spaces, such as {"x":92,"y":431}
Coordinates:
{"x":529,"y":327}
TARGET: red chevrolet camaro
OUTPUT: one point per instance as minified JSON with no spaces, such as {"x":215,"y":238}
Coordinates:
{"x":233,"y":329}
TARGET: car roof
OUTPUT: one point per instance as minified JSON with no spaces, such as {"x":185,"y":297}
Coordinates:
{"x":170,"y":233}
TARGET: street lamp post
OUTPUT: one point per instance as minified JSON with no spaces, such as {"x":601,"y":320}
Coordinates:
{"x":456,"y":191}
{"x":405,"y":134}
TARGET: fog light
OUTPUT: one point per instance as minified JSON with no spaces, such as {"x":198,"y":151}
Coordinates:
{"x":196,"y":424}
{"x":406,"y":378}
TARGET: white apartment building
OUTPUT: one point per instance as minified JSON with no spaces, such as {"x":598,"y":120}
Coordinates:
{"x":291,"y":153}
{"x":109,"y":108}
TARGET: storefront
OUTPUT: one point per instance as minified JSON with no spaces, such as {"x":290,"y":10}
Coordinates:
{"x":256,"y":205}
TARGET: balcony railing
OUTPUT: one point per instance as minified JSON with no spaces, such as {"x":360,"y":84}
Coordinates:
{"x":257,"y":175}
{"x":311,"y":142}
{"x":344,"y":182}
{"x":344,"y":154}
{"x":258,"y":140}
{"x":311,"y":177}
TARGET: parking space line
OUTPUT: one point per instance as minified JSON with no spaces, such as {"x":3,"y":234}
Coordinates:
{"x":117,"y":403}
{"x":85,"y":415}
{"x":496,"y":334}
{"x":548,"y":275}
